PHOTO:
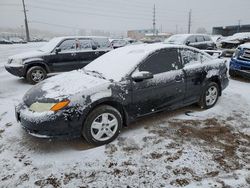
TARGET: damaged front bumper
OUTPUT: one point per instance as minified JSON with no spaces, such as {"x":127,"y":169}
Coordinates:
{"x":49,"y":124}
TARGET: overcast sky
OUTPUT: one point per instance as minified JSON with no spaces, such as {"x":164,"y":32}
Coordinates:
{"x":123,"y":15}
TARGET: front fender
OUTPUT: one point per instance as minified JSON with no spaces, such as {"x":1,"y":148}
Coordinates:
{"x":36,"y":62}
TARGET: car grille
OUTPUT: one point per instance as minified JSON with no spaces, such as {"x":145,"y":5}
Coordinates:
{"x":246,"y":54}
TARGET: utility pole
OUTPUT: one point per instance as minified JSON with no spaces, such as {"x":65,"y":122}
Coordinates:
{"x":26,"y":23}
{"x":189,"y":20}
{"x":154,"y":32}
{"x":239,"y":25}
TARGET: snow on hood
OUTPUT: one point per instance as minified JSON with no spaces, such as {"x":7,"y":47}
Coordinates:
{"x":246,"y":45}
{"x":25,"y":55}
{"x":71,"y":83}
{"x":66,"y":85}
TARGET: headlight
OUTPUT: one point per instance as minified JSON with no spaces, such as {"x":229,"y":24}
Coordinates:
{"x":44,"y":107}
{"x":16,"y":61}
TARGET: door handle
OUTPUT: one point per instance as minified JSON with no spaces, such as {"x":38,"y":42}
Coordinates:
{"x":73,"y":54}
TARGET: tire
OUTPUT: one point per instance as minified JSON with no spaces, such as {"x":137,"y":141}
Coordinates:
{"x":36,"y":74}
{"x":232,"y":73}
{"x":98,"y":129}
{"x":209,"y":96}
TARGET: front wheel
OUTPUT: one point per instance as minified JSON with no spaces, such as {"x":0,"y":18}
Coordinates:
{"x":209,"y":95}
{"x":102,"y":125}
{"x":36,"y":74}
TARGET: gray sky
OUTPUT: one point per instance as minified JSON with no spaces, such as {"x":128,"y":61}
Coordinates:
{"x":123,"y":15}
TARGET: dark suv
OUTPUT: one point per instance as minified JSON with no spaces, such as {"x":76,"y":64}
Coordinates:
{"x":58,"y":55}
{"x":200,"y":41}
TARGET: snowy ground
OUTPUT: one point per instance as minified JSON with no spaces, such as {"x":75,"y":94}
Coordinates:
{"x":188,"y":147}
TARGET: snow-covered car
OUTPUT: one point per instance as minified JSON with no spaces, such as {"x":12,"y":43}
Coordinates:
{"x":120,"y":87}
{"x":5,"y":41}
{"x":118,"y":43}
{"x":229,"y":44}
{"x":240,"y":62}
{"x":17,"y":40}
{"x":61,"y":54}
{"x":200,"y":41}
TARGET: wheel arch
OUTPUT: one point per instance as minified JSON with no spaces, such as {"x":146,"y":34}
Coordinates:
{"x":216,"y":79}
{"x":111,"y":102}
{"x":37,"y":63}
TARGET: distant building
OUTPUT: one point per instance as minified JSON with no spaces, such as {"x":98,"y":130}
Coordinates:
{"x":139,"y":34}
{"x":230,"y":30}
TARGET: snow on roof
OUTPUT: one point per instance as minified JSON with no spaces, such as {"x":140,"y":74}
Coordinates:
{"x":117,"y":63}
{"x":238,"y":36}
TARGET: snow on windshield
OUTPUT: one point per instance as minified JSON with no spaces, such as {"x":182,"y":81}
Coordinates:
{"x":50,"y":45}
{"x":116,"y":64}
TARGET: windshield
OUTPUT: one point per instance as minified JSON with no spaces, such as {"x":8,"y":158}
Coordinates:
{"x":117,"y":64}
{"x":175,"y":39}
{"x":48,"y":47}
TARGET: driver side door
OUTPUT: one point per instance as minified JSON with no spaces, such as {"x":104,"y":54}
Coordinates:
{"x":66,"y":59}
{"x":165,"y":89}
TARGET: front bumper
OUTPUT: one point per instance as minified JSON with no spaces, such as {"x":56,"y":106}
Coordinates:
{"x":240,"y":67}
{"x":16,"y":70}
{"x":49,"y":124}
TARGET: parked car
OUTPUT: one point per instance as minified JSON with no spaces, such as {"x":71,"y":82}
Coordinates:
{"x":17,"y":40}
{"x":5,"y":41}
{"x":229,"y":44}
{"x":240,"y":62}
{"x":59,"y":55}
{"x":200,"y":41}
{"x":120,"y":87}
{"x":117,"y":43}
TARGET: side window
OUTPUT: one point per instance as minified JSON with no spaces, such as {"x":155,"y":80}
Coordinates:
{"x":162,"y":61}
{"x":207,"y":38}
{"x":85,"y":44}
{"x":191,"y":39}
{"x":190,"y":57}
{"x":68,"y":45}
{"x":200,"y":39}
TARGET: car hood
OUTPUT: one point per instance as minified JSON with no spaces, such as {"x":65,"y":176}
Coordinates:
{"x":74,"y":85}
{"x":26,"y":55}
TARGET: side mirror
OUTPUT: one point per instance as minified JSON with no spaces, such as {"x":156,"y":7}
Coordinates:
{"x":143,"y":75}
{"x":94,"y":47}
{"x":58,"y":50}
{"x":188,"y":42}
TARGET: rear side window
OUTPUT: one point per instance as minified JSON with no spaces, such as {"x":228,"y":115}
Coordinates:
{"x":162,"y":61}
{"x":84,"y":44}
{"x":200,"y":39}
{"x":191,"y":57}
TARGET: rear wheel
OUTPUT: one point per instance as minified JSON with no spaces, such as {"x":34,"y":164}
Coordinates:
{"x":36,"y":74}
{"x":102,"y":125}
{"x":209,"y":95}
